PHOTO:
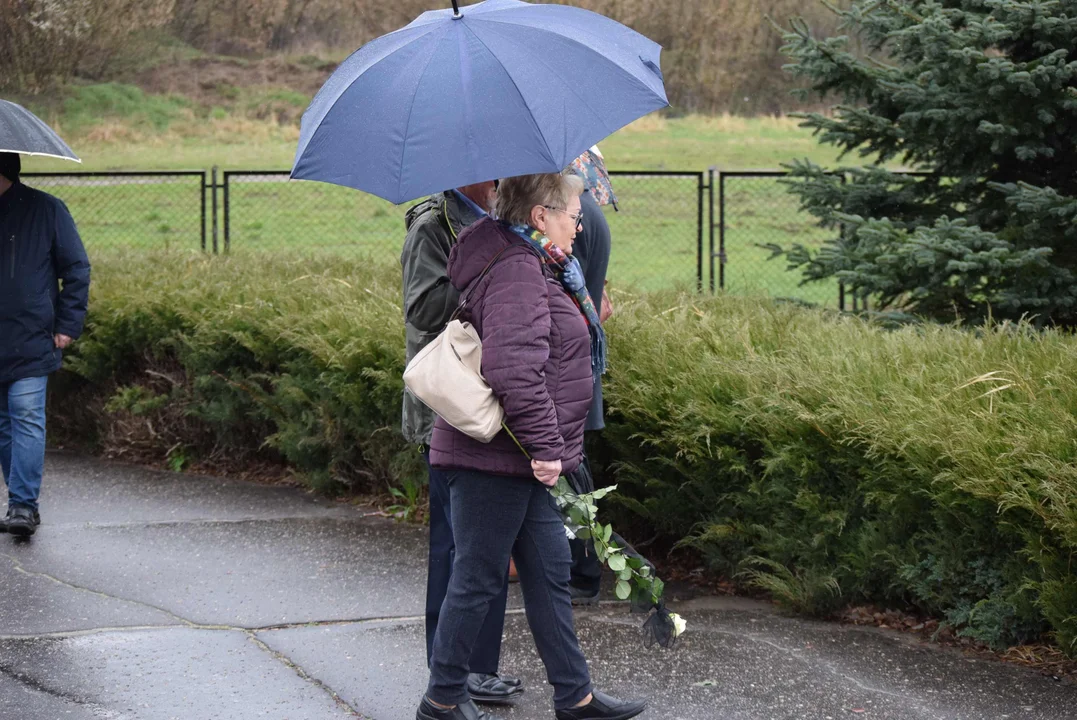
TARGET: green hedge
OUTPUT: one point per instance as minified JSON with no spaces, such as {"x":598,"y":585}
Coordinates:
{"x":829,"y":461}
{"x":296,"y":359}
{"x":816,"y":456}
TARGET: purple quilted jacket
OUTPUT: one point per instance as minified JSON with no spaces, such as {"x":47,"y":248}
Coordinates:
{"x":536,"y":355}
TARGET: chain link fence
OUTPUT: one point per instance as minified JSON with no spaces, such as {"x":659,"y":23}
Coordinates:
{"x":754,"y":209}
{"x":146,"y":210}
{"x":660,"y":230}
{"x":656,"y":228}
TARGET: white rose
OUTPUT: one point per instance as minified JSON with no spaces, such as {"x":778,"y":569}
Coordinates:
{"x":679,"y":624}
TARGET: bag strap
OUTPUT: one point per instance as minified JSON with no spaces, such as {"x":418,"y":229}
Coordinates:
{"x":467,"y":293}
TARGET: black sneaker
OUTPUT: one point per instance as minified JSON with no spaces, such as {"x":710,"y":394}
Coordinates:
{"x":22,"y":521}
{"x":604,"y":707}
{"x":466,"y":711}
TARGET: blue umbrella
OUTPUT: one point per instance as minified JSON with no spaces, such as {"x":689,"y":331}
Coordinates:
{"x":23,"y":132}
{"x":492,"y":90}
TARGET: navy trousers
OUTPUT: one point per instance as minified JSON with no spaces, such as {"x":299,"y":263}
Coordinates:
{"x":486,"y":654}
{"x":495,"y":517}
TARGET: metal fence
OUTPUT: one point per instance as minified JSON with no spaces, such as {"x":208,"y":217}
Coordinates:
{"x":132,"y":209}
{"x":755,"y":209}
{"x":673,"y":229}
{"x":658,"y":228}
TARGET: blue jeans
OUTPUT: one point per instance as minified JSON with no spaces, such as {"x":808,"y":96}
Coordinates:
{"x":494,"y":517}
{"x":22,"y":439}
{"x":487,"y":652}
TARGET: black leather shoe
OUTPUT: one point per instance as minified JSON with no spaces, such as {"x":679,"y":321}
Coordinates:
{"x":3,"y":520}
{"x":604,"y":707}
{"x":493,"y":689}
{"x":22,"y":521}
{"x":582,"y":596}
{"x":511,"y":681}
{"x":467,"y":711}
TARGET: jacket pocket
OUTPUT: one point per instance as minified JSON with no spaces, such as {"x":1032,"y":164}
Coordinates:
{"x":45,"y":312}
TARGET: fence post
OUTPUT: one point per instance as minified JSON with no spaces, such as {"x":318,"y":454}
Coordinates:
{"x":203,"y":226}
{"x":721,"y":231}
{"x":227,"y":217}
{"x":710,"y":184}
{"x":214,"y":209}
{"x":841,"y":285}
{"x":699,"y":238}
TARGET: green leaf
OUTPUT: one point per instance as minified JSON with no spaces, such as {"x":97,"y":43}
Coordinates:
{"x":583,"y":533}
{"x":625,"y":574}
{"x":622,"y":590}
{"x":602,"y":492}
{"x":617,"y":562}
{"x":658,"y":589}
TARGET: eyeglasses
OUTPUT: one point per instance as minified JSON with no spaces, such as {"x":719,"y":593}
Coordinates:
{"x":577,"y":218}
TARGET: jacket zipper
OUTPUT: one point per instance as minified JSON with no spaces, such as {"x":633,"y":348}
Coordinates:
{"x":12,"y":241}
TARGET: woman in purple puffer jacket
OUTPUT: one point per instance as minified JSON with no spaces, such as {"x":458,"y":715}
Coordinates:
{"x":541,"y":345}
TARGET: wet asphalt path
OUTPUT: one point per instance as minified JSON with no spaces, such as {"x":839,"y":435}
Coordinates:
{"x":153,"y":596}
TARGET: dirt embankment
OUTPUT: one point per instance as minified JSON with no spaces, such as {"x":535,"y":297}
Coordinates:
{"x":218,"y":81}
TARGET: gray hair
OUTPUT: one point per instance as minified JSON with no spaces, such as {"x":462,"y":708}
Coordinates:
{"x":516,"y":196}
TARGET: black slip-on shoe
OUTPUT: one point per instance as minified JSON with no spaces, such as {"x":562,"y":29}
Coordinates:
{"x":604,"y":707}
{"x":21,"y":521}
{"x":466,"y":711}
{"x":493,"y":689}
{"x":583,"y":596}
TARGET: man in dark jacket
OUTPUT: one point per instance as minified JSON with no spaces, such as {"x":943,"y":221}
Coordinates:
{"x":39,"y":249}
{"x":592,"y":248}
{"x":429,"y":301}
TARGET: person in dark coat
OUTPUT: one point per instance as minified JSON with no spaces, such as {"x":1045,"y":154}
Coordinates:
{"x":44,"y":290}
{"x":429,"y":300}
{"x":592,"y":248}
{"x":541,"y":345}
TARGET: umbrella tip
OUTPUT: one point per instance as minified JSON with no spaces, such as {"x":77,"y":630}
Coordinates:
{"x":456,"y":9}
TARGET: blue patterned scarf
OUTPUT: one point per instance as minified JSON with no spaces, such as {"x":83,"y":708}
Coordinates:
{"x":570,"y":274}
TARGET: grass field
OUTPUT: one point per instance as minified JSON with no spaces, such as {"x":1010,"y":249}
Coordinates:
{"x":655,"y":233}
{"x":236,"y":143}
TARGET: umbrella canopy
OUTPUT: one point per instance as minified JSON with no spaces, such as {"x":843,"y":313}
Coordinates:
{"x":499,"y":89}
{"x":23,"y":132}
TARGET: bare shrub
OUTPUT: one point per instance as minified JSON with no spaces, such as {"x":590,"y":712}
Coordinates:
{"x":48,"y":40}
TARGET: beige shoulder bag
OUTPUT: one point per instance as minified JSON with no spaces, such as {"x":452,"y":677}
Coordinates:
{"x":446,"y":376}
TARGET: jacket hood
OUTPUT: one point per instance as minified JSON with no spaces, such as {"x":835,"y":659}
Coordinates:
{"x":447,"y":204}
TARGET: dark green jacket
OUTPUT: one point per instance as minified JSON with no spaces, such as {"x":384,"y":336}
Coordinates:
{"x":429,"y":298}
